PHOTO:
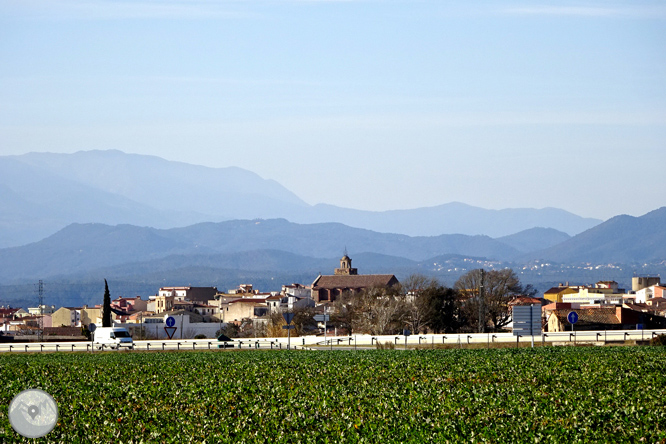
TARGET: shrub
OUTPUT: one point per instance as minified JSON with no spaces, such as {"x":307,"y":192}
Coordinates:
{"x":658,"y":340}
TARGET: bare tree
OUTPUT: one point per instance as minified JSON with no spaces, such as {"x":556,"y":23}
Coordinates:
{"x":419,"y":306}
{"x":417,"y":283}
{"x":374,"y":310}
{"x":500,"y":287}
{"x":342,"y":312}
{"x":303,"y":321}
{"x":274,"y":326}
{"x":387,"y":310}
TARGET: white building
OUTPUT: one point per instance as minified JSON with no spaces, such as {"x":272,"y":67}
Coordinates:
{"x":45,"y":309}
{"x":603,"y":293}
{"x":644,"y":295}
{"x":186,"y":327}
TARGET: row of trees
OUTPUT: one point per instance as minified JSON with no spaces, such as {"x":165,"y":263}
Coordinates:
{"x":479,"y":301}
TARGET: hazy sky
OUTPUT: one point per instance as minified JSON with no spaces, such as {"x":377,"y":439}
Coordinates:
{"x":366,"y":104}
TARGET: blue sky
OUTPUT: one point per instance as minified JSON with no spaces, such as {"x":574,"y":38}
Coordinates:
{"x":365,"y":104}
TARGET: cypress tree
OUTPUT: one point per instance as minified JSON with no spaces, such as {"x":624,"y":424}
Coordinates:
{"x":106,"y":310}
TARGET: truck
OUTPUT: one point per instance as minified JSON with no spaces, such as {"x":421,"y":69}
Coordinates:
{"x":113,"y":337}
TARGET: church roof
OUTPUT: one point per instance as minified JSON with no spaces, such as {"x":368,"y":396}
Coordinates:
{"x":354,"y":281}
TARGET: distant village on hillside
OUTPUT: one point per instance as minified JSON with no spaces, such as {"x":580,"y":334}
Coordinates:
{"x":207,"y":312}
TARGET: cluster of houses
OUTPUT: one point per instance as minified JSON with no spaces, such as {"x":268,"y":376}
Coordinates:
{"x":604,"y":306}
{"x":196,"y":310}
{"x":205,"y":310}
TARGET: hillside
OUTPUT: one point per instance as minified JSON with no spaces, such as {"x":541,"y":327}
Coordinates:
{"x":621,"y":239}
{"x":534,"y":239}
{"x":454,"y":217}
{"x":83,"y":247}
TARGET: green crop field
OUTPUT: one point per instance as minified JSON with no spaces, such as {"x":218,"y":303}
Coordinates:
{"x":563,"y":394}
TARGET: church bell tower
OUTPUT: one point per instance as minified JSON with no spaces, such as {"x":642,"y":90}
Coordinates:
{"x":345,"y":267}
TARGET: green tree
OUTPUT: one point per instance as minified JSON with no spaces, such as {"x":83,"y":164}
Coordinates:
{"x":106,"y":309}
{"x":445,"y":315}
{"x":229,"y":329}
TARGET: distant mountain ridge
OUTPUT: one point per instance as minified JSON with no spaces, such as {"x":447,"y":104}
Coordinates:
{"x":41,"y":193}
{"x":270,"y":253}
{"x":621,"y":239}
{"x":534,"y":239}
{"x":84,"y":247}
{"x":453,"y":218}
{"x":80,"y":248}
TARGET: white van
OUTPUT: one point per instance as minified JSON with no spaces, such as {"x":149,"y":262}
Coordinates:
{"x":113,"y":337}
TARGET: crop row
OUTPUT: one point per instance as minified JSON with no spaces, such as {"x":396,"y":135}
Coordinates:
{"x":564,"y":394}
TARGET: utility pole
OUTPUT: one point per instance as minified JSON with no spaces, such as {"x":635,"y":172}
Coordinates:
{"x":220,"y":313}
{"x":41,"y":311}
{"x":482,"y":304}
{"x":325,"y":320}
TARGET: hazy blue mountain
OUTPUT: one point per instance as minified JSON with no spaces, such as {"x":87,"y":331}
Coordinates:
{"x":329,"y":239}
{"x":622,"y":239}
{"x":83,"y":247}
{"x":534,"y":239}
{"x":454,"y":217}
{"x":168,"y":185}
{"x":266,"y":269}
{"x":35,"y":203}
{"x":40,"y":193}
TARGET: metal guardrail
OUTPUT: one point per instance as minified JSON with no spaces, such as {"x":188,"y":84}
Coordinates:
{"x":307,"y":342}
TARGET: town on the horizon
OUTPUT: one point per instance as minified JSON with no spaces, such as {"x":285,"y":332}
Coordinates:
{"x":206,"y":312}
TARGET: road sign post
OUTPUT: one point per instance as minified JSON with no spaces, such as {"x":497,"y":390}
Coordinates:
{"x":532,"y":318}
{"x":170,"y":328}
{"x":288,"y":317}
{"x":91,"y":328}
{"x":572,"y":317}
{"x":406,"y":333}
{"x":527,"y":321}
{"x":323,"y":318}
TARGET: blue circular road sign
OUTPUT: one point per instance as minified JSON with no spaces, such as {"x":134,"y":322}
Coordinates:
{"x":572,"y":317}
{"x":170,"y":321}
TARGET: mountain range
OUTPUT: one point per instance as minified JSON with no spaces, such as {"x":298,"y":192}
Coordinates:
{"x":279,"y":245}
{"x":41,"y":193}
{"x":144,"y":222}
{"x":621,"y":239}
{"x":85,"y":247}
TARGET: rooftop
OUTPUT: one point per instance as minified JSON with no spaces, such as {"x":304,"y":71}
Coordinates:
{"x":354,"y":281}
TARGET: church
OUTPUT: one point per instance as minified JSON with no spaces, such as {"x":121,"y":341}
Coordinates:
{"x":326,"y":288}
